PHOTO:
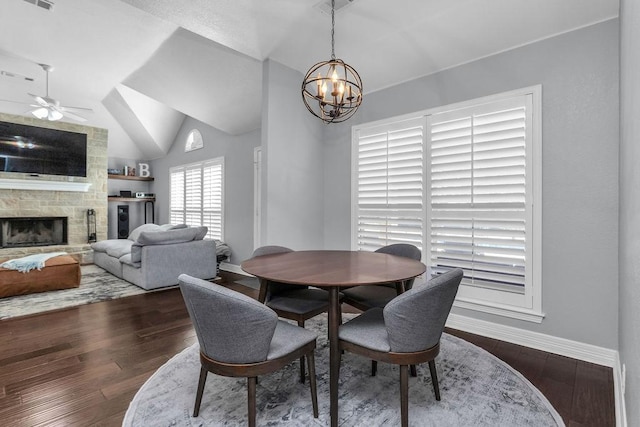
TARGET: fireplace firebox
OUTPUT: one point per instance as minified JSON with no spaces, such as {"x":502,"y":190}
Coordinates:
{"x":33,"y":231}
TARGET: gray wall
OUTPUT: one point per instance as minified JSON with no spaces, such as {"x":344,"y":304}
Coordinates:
{"x":292,"y":173}
{"x":579,"y":76}
{"x":629,"y":335}
{"x":238,"y":180}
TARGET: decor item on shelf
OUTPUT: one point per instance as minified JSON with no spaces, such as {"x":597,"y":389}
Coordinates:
{"x":332,"y":90}
{"x":129,"y":171}
{"x":114,"y":171}
{"x":143,"y":195}
{"x":144,"y":170}
{"x":91,"y":226}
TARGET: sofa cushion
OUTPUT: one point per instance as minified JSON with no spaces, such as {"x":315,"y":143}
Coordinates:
{"x":153,"y":227}
{"x":113,"y":247}
{"x":126,"y":259}
{"x":168,"y":237}
{"x":144,"y":227}
{"x":165,"y":227}
{"x":172,"y":236}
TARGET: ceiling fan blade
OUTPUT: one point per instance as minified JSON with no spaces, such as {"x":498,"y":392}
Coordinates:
{"x":14,"y":102}
{"x":66,"y":108}
{"x":40,"y":100}
{"x":16,"y":75}
{"x":73,"y":116}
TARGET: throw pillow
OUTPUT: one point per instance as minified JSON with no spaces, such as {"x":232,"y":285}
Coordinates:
{"x":144,"y":227}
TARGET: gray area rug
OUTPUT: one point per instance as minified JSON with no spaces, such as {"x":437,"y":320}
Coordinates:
{"x":96,"y":285}
{"x":477,"y":389}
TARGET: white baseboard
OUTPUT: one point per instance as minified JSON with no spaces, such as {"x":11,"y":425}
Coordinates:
{"x":564,"y":347}
{"x":618,"y":389}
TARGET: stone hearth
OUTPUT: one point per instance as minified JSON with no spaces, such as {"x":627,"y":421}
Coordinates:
{"x":43,"y":202}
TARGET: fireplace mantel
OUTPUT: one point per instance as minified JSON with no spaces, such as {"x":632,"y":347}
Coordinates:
{"x":28,"y":184}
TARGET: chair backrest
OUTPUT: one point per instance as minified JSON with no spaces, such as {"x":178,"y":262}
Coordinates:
{"x":415,"y":320}
{"x":231,"y":327}
{"x":402,"y":249}
{"x":275,"y":288}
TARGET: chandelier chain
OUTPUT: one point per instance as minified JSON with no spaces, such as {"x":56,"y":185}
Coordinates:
{"x":333,"y":28}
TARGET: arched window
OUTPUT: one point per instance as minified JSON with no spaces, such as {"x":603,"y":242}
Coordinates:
{"x":194,"y":141}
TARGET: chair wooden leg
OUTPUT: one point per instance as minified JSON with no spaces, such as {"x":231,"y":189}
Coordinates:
{"x":201,"y":381}
{"x":311,"y":362}
{"x":434,"y":378}
{"x":404,"y":396}
{"x":301,"y":324}
{"x":374,"y":367}
{"x":251,"y":399}
{"x":413,"y":370}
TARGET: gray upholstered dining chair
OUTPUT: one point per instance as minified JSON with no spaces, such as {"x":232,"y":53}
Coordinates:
{"x":366,"y":297}
{"x":239,"y":337}
{"x":406,"y":331}
{"x":293,"y":302}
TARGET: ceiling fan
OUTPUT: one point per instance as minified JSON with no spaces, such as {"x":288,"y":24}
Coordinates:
{"x":47,"y":108}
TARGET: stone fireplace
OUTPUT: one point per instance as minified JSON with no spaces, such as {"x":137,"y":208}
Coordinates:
{"x":36,"y":231}
{"x":49,"y":196}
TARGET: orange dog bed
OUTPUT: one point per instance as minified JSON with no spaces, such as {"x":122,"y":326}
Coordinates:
{"x":61,"y":272}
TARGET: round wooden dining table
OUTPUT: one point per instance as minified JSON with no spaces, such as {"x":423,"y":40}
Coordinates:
{"x":332,"y":270}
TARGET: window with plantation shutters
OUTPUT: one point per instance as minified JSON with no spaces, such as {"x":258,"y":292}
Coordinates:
{"x":197,"y":195}
{"x":389,"y":185}
{"x":463,"y":183}
{"x":479,"y":206}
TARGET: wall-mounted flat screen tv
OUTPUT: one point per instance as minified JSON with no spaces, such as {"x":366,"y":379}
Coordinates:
{"x":36,"y":150}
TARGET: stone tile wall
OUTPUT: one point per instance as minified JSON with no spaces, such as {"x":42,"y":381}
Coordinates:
{"x":72,"y":204}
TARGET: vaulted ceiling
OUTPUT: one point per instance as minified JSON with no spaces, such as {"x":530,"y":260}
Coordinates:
{"x":143,"y":65}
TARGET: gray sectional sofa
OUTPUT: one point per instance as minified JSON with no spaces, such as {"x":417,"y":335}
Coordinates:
{"x":153,"y":256}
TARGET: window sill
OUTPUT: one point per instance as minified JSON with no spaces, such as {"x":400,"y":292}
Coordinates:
{"x":519,"y":313}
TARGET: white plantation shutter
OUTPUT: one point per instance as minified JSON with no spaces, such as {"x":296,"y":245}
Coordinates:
{"x":389,"y":186}
{"x":479,"y":212}
{"x":176,"y":190}
{"x":193,"y":195}
{"x":212,"y":198}
{"x":197,"y":196}
{"x":462,"y":183}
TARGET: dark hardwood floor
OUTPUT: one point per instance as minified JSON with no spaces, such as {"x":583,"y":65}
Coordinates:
{"x":82,"y":366}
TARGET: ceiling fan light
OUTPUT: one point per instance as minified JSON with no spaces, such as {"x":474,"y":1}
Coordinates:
{"x":47,"y":114}
{"x":54,"y":115}
{"x":41,"y":113}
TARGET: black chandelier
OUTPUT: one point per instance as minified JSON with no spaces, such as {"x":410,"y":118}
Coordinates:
{"x":332,"y":90}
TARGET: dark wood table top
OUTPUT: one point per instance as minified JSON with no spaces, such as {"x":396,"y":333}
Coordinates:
{"x":326,"y":268}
